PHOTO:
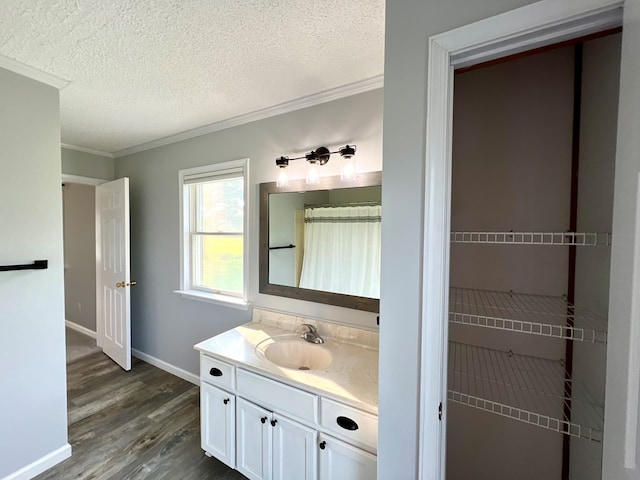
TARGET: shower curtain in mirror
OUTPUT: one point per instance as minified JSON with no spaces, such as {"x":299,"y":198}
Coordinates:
{"x":342,"y":250}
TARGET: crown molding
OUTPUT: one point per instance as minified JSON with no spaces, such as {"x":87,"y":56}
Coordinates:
{"x":86,"y":150}
{"x":67,"y":178}
{"x":32,"y":73}
{"x":363,"y":86}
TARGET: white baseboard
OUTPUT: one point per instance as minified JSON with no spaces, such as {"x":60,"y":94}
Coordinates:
{"x":156,"y":362}
{"x":81,"y":329}
{"x":167,"y":367}
{"x":42,"y":464}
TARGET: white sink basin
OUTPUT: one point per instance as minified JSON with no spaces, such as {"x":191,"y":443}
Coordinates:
{"x":295,"y":353}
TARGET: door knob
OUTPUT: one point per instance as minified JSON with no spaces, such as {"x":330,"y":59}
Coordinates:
{"x":120,"y":285}
{"x":133,"y":283}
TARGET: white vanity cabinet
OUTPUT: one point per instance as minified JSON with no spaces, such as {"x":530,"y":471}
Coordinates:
{"x":218,"y":410}
{"x":270,"y":446}
{"x":341,"y":461}
{"x":267,"y":429}
{"x":217,"y":422}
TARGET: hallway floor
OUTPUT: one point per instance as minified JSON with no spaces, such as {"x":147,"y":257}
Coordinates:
{"x":142,"y":424}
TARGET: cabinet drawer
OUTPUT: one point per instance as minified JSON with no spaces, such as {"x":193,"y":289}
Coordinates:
{"x":278,"y":396}
{"x":350,"y":423}
{"x":216,"y":372}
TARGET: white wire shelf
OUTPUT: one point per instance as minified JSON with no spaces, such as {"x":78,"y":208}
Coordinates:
{"x":546,"y":316}
{"x":523,"y":388}
{"x":581,"y":239}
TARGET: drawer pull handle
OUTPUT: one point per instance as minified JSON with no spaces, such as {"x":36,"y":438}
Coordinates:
{"x":226,"y":400}
{"x":263,"y":419}
{"x":215,"y":372}
{"x":347,"y":423}
{"x":323,"y":445}
{"x":273,"y":422}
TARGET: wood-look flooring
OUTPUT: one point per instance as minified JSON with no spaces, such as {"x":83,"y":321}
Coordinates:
{"x":142,"y":424}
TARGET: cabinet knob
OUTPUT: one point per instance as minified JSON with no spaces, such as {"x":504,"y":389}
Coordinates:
{"x":226,"y":400}
{"x":347,"y":423}
{"x":263,"y":419}
{"x":273,"y":422}
{"x":215,"y":372}
{"x":323,"y":445}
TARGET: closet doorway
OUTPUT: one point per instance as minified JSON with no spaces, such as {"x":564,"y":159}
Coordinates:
{"x":534,"y":142}
{"x":535,"y":26}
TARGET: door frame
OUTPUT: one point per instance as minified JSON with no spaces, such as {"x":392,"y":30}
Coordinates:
{"x":533,"y":26}
{"x":67,"y":178}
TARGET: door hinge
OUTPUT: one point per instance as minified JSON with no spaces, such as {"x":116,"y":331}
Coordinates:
{"x":440,"y":411}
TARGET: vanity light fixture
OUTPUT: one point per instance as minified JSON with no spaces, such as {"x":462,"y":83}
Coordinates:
{"x":315,"y":159}
{"x":283,"y":179}
{"x":347,"y":168}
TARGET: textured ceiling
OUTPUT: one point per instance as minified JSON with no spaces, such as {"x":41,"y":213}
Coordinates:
{"x":143,"y":70}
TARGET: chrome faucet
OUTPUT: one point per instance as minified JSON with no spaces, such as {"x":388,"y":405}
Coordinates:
{"x":311,"y":335}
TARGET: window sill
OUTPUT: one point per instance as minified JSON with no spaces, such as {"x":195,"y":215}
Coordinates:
{"x":224,"y":300}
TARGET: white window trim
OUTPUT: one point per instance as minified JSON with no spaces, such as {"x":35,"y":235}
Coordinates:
{"x":186,"y":291}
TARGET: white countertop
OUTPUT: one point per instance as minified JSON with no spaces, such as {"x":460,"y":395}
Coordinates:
{"x":352,"y":377}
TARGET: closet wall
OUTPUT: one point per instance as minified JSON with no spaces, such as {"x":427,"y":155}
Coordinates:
{"x":601,"y":67}
{"x":512,"y":151}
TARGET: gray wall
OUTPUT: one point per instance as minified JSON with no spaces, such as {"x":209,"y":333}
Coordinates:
{"x":33,"y":407}
{"x":80,"y":254}
{"x":165,"y":325}
{"x":85,"y":164}
{"x":409,"y":24}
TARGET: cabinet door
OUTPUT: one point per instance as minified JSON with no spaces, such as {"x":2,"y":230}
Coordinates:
{"x":294,"y":451}
{"x":217,"y":424}
{"x":253,"y":447}
{"x":340,"y":461}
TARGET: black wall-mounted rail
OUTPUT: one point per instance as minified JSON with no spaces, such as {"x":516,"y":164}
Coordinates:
{"x":36,"y":265}
{"x":284,"y":246}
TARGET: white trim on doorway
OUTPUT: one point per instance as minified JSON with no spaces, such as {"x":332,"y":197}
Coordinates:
{"x":536,"y":25}
{"x":82,"y":180}
{"x":86,"y":150}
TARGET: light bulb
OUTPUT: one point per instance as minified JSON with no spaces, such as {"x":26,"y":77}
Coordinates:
{"x":347,"y":169}
{"x":283,"y":178}
{"x":313,"y":173}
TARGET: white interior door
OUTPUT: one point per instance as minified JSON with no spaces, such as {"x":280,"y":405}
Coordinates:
{"x":113,"y":282}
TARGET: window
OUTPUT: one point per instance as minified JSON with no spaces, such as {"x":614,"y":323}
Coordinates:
{"x":213,"y":241}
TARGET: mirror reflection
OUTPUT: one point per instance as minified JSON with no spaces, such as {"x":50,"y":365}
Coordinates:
{"x":326,"y":240}
{"x":321,"y":243}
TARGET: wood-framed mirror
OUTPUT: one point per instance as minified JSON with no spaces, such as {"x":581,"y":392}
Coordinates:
{"x":287,"y":214}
